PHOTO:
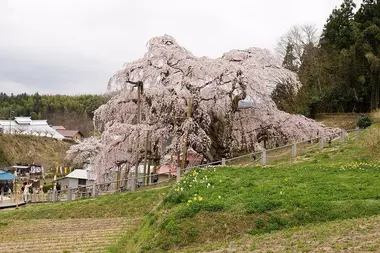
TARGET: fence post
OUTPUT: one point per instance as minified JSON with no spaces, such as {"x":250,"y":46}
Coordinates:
{"x":133,"y":183}
{"x":1,"y":197}
{"x":321,"y":142}
{"x":69,"y":194}
{"x":264,"y":158}
{"x":178,"y":173}
{"x":294,"y":149}
{"x":223,"y":161}
{"x":55,"y":196}
{"x":94,"y":193}
{"x":357,"y":131}
{"x":342,"y":136}
{"x":170,"y":174}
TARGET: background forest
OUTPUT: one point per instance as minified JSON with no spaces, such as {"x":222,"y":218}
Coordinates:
{"x":73,"y":112}
{"x":340,"y":71}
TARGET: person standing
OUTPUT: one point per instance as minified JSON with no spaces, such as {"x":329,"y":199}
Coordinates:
{"x":26,"y":192}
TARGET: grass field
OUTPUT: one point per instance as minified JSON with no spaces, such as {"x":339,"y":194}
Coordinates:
{"x":223,"y":204}
{"x":79,"y":226}
{"x":341,"y":120}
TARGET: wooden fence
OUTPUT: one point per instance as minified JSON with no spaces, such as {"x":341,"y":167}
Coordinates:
{"x":262,"y":158}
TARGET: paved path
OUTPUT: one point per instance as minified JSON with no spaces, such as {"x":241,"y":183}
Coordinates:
{"x":7,"y":204}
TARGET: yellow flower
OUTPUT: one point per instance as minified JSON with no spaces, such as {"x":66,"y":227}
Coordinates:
{"x":219,"y":197}
{"x":200,"y":198}
{"x":195,"y":198}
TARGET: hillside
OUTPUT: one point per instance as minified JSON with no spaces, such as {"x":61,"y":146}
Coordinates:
{"x":225,"y":204}
{"x":31,"y":149}
{"x":324,"y":200}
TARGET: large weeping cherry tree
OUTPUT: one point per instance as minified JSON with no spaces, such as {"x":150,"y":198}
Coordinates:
{"x":216,"y":107}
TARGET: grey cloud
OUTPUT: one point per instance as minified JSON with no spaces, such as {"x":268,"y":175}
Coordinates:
{"x":70,"y":46}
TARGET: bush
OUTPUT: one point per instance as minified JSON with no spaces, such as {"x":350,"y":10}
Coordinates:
{"x":47,"y":187}
{"x":364,"y":122}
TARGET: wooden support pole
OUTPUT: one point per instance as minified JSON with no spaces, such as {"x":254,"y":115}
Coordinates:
{"x":146,"y":157}
{"x":94,"y":193}
{"x":118,"y":173}
{"x":184,"y":145}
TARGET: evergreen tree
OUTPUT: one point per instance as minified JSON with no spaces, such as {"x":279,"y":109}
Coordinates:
{"x":338,"y":31}
{"x":289,"y":59}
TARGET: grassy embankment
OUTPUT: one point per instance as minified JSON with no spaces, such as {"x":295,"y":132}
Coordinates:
{"x":31,"y":149}
{"x":211,"y":207}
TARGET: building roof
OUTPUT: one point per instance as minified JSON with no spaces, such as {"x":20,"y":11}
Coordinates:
{"x":6,"y":175}
{"x":27,"y":126}
{"x":79,"y":173}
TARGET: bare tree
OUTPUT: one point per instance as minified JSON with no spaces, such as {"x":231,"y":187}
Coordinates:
{"x":299,"y":36}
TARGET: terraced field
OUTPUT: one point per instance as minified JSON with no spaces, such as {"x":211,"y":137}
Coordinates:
{"x":74,"y":235}
{"x":89,"y":225}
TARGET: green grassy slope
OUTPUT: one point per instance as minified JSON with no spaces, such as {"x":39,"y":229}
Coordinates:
{"x":108,"y":206}
{"x":226,"y":203}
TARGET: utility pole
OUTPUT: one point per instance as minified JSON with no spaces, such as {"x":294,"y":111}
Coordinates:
{"x":184,"y":144}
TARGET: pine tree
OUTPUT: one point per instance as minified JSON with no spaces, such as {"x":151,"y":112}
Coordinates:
{"x":289,"y":59}
{"x":338,"y":31}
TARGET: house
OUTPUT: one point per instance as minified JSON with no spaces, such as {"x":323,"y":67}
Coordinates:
{"x":27,"y":126}
{"x":74,"y":135}
{"x":76,"y":179}
{"x":169,"y":164}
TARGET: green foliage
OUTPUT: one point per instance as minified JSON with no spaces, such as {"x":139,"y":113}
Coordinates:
{"x":47,"y":187}
{"x":364,"y":122}
{"x":284,"y":95}
{"x":289,"y":58}
{"x":342,"y":73}
{"x":40,"y":105}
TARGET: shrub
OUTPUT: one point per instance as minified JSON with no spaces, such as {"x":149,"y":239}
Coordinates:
{"x":47,"y":187}
{"x":364,"y":122}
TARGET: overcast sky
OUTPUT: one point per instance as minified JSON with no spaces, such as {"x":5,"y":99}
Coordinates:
{"x":74,"y":46}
